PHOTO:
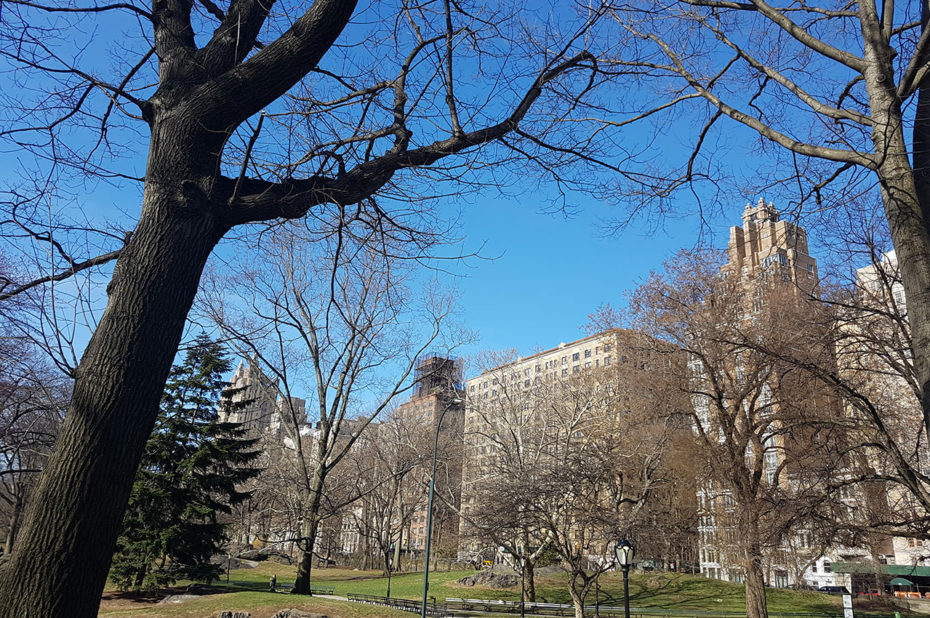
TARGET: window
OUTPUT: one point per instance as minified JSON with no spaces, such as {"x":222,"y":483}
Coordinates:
{"x":576,"y":369}
{"x":538,"y":368}
{"x":607,"y":347}
{"x":564,"y":360}
{"x":606,"y":360}
{"x":826,"y":566}
{"x":587,"y":353}
{"x":576,"y":356}
{"x":526,"y":383}
{"x":565,"y":372}
{"x":587,"y":364}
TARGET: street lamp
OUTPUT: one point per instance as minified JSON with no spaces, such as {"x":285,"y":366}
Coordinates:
{"x":390,"y":568}
{"x":522,"y":559}
{"x":624,"y":553}
{"x":429,"y":506}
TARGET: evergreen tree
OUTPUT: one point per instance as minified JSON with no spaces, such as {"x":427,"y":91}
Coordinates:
{"x":189,"y":474}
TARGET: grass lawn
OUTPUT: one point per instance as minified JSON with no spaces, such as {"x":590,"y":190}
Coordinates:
{"x":248,"y":590}
{"x":660,"y":590}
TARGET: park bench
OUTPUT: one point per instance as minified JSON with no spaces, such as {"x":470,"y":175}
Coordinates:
{"x":322,"y":589}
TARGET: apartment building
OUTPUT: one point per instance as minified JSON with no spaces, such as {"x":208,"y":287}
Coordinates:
{"x":771,"y":272}
{"x":252,"y":401}
{"x":512,"y":404}
{"x":437,"y":394}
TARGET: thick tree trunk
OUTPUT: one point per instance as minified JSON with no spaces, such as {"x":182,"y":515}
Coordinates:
{"x":921,"y":176}
{"x":904,"y":207}
{"x":756,"y":605}
{"x":305,"y":566}
{"x":78,"y":506}
{"x":529,"y":578}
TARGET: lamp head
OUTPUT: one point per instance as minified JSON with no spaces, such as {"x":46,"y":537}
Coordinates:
{"x":624,"y":553}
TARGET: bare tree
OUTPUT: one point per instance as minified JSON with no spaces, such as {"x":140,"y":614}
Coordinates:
{"x":767,"y":429}
{"x":33,"y":398}
{"x":337,"y":318}
{"x":567,"y":463}
{"x":391,"y":493}
{"x":829,"y":90}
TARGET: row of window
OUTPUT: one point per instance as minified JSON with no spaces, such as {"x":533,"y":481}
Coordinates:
{"x":551,"y":364}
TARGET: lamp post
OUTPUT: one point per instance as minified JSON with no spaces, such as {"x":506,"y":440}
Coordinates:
{"x":522,"y":559}
{"x":429,"y":505}
{"x":390,"y":567}
{"x":624,"y":553}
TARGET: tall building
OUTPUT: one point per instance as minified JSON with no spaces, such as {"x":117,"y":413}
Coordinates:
{"x":875,"y":360}
{"x":437,"y":394}
{"x":774,"y":276}
{"x":514,"y":411}
{"x":766,"y":246}
{"x":252,"y":400}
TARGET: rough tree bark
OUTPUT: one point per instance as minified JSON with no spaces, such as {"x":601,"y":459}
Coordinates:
{"x":898,"y":181}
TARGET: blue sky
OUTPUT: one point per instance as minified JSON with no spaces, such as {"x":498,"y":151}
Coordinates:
{"x":553,"y":270}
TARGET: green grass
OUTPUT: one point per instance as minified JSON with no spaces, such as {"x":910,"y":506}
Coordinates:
{"x":259,"y":604}
{"x":659,"y":590}
{"x":249,"y":591}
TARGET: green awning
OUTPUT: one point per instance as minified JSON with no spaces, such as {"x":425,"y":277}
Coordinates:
{"x":905,"y":570}
{"x":900,"y":581}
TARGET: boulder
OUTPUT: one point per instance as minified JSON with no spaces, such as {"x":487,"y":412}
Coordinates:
{"x":490,"y":579}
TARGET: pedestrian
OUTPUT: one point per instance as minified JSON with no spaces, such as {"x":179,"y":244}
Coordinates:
{"x":274,"y":581}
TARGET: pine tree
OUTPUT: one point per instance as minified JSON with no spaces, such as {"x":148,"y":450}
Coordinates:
{"x":192,"y":467}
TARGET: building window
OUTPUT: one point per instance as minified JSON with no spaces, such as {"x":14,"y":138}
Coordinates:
{"x":564,"y":360}
{"x":587,"y":364}
{"x":576,"y":369}
{"x":565,"y":372}
{"x":587,"y":353}
{"x":607,"y":347}
{"x":606,"y":360}
{"x":576,"y":356}
{"x":826,"y":566}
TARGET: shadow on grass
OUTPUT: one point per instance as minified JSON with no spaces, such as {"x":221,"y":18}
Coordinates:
{"x":148,"y":597}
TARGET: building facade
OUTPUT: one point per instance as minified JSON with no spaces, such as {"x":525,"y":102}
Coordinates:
{"x":531,"y":412}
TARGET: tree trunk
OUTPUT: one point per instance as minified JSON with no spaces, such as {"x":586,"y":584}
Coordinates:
{"x":899,"y":182}
{"x":309,"y":529}
{"x":308,"y":534}
{"x":756,"y":605}
{"x":578,"y":596}
{"x":529,"y":575}
{"x":140,"y":577}
{"x":76,"y":515}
